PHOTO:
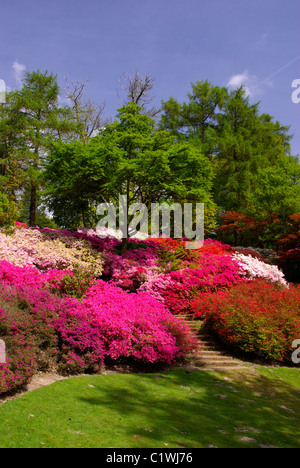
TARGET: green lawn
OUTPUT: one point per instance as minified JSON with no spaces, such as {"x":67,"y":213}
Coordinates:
{"x":251,"y":408}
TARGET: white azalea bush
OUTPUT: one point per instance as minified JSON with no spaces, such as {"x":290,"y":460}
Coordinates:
{"x":256,"y":269}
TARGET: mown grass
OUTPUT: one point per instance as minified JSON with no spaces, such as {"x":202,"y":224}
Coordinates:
{"x":253,"y":408}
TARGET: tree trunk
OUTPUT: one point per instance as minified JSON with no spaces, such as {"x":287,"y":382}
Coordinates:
{"x":32,"y":210}
{"x":124,"y":245}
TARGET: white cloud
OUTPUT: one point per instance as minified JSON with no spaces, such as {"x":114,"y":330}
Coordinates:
{"x":19,"y":70}
{"x":244,"y":79}
{"x":250,"y":82}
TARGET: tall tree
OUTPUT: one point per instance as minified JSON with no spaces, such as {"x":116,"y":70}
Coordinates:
{"x":138,"y":89}
{"x":197,"y":118}
{"x":36,"y":105}
{"x":246,"y":143}
{"x":239,"y":140}
{"x":131,"y":158}
{"x":88,"y":116}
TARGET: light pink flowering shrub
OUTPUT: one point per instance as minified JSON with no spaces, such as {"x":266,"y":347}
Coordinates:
{"x":32,"y":246}
{"x":256,"y":269}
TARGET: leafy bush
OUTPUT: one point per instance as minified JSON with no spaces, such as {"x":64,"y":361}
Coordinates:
{"x":254,"y":317}
{"x":58,"y":332}
{"x":21,"y":361}
{"x":111,"y":323}
{"x":30,"y":246}
{"x":256,"y":269}
{"x":211,"y":273}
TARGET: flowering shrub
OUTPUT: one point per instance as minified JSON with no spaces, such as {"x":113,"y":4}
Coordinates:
{"x":30,"y":276}
{"x":254,"y":317}
{"x":20,"y":363}
{"x":211,"y":273}
{"x":249,"y":252}
{"x":215,"y":247}
{"x":31,"y":246}
{"x":55,"y":308}
{"x":258,"y":269}
{"x":110,"y":322}
{"x":71,"y":335}
{"x":133,"y":268}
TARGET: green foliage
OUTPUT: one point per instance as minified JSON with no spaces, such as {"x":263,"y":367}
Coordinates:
{"x":129,"y":157}
{"x":75,"y":284}
{"x":253,"y":171}
{"x":33,"y":120}
{"x":8,"y":211}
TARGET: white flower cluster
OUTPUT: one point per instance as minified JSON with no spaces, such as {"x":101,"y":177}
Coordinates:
{"x":258,"y":269}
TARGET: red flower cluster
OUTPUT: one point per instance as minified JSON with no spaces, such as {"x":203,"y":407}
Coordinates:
{"x":254,"y":317}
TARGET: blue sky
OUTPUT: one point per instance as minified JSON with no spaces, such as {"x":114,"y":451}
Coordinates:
{"x":228,"y":42}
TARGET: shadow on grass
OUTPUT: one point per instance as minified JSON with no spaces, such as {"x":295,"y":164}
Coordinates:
{"x":201,"y":409}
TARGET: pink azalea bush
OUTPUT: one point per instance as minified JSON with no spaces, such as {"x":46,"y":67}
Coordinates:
{"x":110,"y":323}
{"x":70,"y":302}
{"x":79,"y":335}
{"x":20,"y":364}
{"x":210,"y":272}
{"x":20,"y":276}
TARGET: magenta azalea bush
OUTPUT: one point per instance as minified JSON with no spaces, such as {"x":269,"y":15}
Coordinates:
{"x":52,"y":330}
{"x":110,"y":323}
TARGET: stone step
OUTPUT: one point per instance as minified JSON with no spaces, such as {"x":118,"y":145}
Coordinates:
{"x":215,"y":368}
{"x":214,"y":361}
{"x":210,"y":356}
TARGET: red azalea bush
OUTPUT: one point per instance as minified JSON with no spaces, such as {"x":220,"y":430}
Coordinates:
{"x":254,"y":317}
{"x":215,"y":247}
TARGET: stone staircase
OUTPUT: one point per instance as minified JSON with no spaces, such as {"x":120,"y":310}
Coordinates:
{"x":212,"y":355}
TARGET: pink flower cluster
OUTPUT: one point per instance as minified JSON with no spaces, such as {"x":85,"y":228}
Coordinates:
{"x":109,"y":322}
{"x":87,"y":304}
{"x":29,"y":276}
{"x":210,"y":272}
{"x":20,"y":364}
